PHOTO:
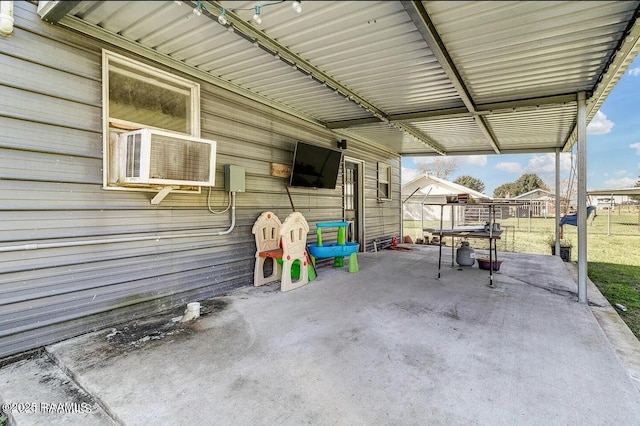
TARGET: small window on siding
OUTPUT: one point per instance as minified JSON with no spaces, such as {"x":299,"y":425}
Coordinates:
{"x":384,"y":181}
{"x":136,"y":95}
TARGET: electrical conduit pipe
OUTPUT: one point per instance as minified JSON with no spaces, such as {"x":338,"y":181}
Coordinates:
{"x":35,"y":246}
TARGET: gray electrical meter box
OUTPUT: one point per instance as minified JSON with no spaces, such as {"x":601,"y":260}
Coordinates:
{"x":233,"y":178}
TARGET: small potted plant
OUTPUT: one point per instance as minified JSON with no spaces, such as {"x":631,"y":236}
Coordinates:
{"x":565,"y":248}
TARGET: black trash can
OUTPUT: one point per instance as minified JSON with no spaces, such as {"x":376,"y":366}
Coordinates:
{"x":565,"y":253}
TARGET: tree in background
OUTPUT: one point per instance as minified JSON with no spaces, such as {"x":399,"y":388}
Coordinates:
{"x":470,"y":182}
{"x":506,"y":190}
{"x":528,"y":182}
{"x":525,"y":183}
{"x":441,"y":167}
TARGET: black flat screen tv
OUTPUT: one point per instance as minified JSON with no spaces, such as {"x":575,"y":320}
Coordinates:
{"x":315,"y":166}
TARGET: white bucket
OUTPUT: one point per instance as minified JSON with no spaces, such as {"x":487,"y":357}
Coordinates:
{"x":193,"y":308}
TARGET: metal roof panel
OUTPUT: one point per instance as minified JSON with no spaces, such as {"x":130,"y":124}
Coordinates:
{"x":533,"y":128}
{"x":511,"y":49}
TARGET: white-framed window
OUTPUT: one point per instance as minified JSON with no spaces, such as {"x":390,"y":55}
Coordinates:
{"x":384,"y":181}
{"x":135,"y":96}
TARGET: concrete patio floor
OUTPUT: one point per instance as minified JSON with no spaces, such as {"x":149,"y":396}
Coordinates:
{"x":390,"y":345}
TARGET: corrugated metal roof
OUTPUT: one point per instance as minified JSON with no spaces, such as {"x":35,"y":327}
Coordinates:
{"x":532,"y":48}
{"x":419,"y":78}
{"x":455,"y":133}
{"x":530,"y":129}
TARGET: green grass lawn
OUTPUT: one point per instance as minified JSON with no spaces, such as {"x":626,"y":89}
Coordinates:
{"x":620,"y":284}
{"x":613,"y":252}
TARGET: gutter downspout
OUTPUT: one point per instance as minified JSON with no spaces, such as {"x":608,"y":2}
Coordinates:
{"x":6,"y":18}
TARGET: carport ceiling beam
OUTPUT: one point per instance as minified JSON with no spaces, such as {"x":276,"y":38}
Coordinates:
{"x":527,"y":103}
{"x":405,"y":117}
{"x":345,"y":124}
{"x":481,"y":109}
{"x":427,"y":29}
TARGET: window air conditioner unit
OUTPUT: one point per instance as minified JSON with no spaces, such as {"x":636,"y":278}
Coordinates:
{"x":148,"y":157}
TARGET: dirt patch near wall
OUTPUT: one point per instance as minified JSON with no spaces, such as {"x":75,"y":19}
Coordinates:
{"x":140,"y":334}
{"x":145,"y":331}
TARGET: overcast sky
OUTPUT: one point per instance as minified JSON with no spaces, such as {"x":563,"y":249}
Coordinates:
{"x":613,"y":148}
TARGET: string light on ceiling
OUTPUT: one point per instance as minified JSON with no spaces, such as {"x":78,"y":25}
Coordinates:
{"x":296,"y":6}
{"x":222,"y":19}
{"x":256,"y":16}
{"x":198,"y":9}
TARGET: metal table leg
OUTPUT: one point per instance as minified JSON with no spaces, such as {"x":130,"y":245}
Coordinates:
{"x":439,"y":255}
{"x":453,"y":243}
{"x":491,"y":241}
{"x":440,"y":243}
{"x":490,"y":263}
{"x":453,"y":239}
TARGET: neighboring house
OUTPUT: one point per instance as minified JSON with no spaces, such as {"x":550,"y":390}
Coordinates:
{"x":606,"y":199}
{"x":537,"y":202}
{"x":78,"y":251}
{"x":423,"y":196}
{"x":606,"y":203}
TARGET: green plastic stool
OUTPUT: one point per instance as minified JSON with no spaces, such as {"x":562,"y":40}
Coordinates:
{"x":353,"y":263}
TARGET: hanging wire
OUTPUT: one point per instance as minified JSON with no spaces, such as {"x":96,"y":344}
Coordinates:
{"x":209,"y":204}
{"x":296,"y":7}
{"x":260,"y":6}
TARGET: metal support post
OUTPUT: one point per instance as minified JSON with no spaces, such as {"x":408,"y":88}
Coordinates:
{"x":581,"y":124}
{"x":557,"y":231}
